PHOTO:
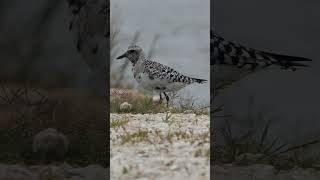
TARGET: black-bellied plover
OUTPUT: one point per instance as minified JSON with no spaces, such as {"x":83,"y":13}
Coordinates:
{"x":154,"y":76}
{"x":224,"y":52}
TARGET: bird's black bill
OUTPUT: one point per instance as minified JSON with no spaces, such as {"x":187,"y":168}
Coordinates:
{"x":122,"y":56}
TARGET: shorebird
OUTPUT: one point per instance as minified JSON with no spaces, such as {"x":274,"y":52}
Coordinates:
{"x":154,"y":76}
{"x":230,"y":61}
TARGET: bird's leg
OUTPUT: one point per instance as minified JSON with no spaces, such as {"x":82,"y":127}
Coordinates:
{"x":160,"y":100}
{"x":167,"y":98}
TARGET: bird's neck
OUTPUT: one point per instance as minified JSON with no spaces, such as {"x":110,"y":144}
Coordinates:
{"x":142,"y":57}
{"x":139,"y":59}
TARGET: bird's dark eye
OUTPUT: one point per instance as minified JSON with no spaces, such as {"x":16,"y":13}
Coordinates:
{"x":130,"y":51}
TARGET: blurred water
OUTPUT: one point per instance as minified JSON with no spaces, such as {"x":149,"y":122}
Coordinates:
{"x":183,"y":27}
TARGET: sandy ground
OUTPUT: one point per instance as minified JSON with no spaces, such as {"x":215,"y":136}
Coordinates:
{"x":164,"y":146}
{"x":261,"y":172}
{"x":169,"y":146}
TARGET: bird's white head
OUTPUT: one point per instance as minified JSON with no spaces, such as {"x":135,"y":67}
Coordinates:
{"x":134,"y":53}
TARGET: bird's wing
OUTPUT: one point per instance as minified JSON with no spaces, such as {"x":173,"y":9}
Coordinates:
{"x":229,"y":53}
{"x":160,"y":71}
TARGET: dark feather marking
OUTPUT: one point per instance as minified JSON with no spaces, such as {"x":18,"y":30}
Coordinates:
{"x":256,"y":57}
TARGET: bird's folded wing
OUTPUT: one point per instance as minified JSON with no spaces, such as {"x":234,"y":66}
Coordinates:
{"x":156,"y":70}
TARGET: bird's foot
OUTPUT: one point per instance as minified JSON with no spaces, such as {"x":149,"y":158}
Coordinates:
{"x":159,"y":102}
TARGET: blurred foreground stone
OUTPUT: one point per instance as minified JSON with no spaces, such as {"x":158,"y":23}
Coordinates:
{"x":125,"y":106}
{"x":50,"y":145}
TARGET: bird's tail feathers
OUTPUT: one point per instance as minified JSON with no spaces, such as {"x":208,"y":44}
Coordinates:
{"x":288,"y":61}
{"x":201,"y":81}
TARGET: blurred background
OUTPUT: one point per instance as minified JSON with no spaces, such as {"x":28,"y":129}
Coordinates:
{"x":289,"y":100}
{"x":170,"y":32}
{"x":36,"y":45}
{"x":46,"y":83}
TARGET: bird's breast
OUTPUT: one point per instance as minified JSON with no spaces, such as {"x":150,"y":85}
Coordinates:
{"x":157,"y":84}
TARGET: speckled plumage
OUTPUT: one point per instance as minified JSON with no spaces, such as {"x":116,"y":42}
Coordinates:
{"x":230,"y":61}
{"x":154,"y":76}
{"x":229,"y":53}
{"x":156,"y":70}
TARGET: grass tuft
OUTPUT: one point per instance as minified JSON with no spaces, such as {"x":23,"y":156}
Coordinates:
{"x":139,"y":136}
{"x":143,"y":103}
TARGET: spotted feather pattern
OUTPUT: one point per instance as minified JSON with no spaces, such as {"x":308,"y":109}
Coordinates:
{"x":230,"y":53}
{"x":156,"y":70}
